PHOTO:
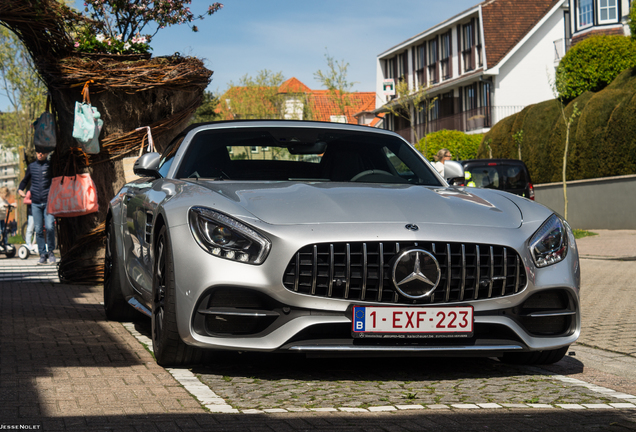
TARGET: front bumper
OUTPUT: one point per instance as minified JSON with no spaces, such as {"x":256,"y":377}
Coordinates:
{"x":233,"y":306}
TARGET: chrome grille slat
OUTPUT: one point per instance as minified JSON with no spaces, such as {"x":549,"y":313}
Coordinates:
{"x":348,"y":270}
{"x":315,"y":270}
{"x":380,"y":271}
{"x":362,"y":271}
{"x":492,"y":272}
{"x":463,"y":283}
{"x":449,"y":266}
{"x":365,"y":269}
{"x":477,"y":271}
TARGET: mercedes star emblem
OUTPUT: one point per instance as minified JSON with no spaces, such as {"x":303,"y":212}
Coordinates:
{"x":416,"y":273}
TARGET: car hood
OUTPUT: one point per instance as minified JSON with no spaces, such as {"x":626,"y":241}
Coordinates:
{"x":284,"y":203}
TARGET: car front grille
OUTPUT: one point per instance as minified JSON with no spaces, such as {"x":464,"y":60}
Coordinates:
{"x":362,"y":271}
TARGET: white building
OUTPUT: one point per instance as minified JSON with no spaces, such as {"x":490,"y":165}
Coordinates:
{"x":479,"y":66}
{"x":9,"y":167}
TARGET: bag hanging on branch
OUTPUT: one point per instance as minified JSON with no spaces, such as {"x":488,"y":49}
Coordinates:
{"x":87,"y":123}
{"x":44,"y":130}
{"x":74,"y":195}
{"x":129,"y":162}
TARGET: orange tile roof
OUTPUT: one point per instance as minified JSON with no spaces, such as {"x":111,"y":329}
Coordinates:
{"x":324,"y":104}
{"x":293,"y":85}
{"x":506,"y":22}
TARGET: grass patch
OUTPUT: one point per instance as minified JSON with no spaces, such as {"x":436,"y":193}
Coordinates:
{"x":579,"y":233}
{"x":16,"y":239}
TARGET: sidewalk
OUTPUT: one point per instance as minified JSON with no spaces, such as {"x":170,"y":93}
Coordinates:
{"x":609,"y":244}
{"x":63,"y":367}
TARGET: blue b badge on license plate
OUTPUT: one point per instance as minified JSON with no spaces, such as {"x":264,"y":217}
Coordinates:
{"x":358,"y":319}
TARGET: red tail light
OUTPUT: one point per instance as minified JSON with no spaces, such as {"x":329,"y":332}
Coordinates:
{"x":531,"y":194}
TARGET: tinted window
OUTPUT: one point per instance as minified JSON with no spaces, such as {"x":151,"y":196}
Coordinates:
{"x":303,"y":154}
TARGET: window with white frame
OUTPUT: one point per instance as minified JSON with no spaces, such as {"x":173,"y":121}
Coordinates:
{"x":420,"y":64}
{"x":445,"y":47}
{"x":607,"y":11}
{"x":390,"y":68}
{"x":433,"y":59}
{"x":585,"y":13}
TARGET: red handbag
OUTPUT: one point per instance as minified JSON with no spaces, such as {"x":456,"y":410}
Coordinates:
{"x":72,"y":196}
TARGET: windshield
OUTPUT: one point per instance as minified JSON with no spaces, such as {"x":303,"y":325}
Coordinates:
{"x":303,"y":154}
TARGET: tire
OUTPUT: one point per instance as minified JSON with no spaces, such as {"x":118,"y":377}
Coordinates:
{"x":534,"y":357}
{"x":167,"y":345}
{"x":23,"y":252}
{"x":115,"y":304}
{"x":10,"y":251}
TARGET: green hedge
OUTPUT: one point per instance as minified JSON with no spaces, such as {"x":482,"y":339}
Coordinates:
{"x":461,"y":145}
{"x":602,"y":137}
{"x":594,"y":63}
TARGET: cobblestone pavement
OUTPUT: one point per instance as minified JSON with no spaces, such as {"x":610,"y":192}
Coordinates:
{"x":63,"y":367}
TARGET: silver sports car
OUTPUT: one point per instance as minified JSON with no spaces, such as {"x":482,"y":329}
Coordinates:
{"x":331,"y":239}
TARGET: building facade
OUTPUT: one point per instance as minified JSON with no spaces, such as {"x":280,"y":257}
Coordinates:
{"x":592,"y":17}
{"x":9,"y":167}
{"x":479,"y":66}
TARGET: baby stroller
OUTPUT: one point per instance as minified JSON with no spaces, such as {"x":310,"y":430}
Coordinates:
{"x":8,"y":250}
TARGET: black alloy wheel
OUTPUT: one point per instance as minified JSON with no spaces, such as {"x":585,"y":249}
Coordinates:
{"x":167,"y":345}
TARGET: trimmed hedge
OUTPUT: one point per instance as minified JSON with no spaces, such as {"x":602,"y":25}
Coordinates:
{"x":602,"y":137}
{"x":594,"y":63}
{"x":461,"y":145}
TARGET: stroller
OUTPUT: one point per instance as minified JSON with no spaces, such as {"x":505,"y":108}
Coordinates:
{"x":8,"y":250}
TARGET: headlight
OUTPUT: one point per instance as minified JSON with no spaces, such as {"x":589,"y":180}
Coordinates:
{"x":549,"y":244}
{"x":222,"y":236}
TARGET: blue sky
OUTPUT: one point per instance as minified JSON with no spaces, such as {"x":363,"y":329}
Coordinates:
{"x":292,"y":36}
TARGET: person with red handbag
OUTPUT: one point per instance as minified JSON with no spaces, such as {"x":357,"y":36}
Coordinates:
{"x":39,"y":174}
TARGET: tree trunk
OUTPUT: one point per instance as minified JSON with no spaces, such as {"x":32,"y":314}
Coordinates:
{"x":161,"y":93}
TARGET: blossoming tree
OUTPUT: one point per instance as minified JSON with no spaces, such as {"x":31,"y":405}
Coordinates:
{"x":117,"y":25}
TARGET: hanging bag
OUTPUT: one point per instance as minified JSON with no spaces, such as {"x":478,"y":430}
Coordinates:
{"x":87,"y":123}
{"x":44,"y":130}
{"x":71,"y":196}
{"x":129,"y":162}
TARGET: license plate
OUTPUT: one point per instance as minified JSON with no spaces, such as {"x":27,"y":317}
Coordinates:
{"x":425,"y":321}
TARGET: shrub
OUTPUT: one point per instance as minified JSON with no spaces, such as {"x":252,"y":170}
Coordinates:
{"x":594,"y":63}
{"x":461,"y":145}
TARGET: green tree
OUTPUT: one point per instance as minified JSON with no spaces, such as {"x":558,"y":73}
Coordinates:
{"x":207,"y":111}
{"x":335,"y":80}
{"x":594,"y":63}
{"x":255,"y":97}
{"x":408,"y":104}
{"x":461,"y":145}
{"x":23,"y":88}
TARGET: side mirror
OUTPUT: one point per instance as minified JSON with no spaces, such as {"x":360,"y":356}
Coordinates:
{"x":148,"y":165}
{"x":452,"y":171}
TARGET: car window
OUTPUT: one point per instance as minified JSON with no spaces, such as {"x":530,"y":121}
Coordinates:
{"x":303,"y":154}
{"x":515,"y":177}
{"x":484,"y":177}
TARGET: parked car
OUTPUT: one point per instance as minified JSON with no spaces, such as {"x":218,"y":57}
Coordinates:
{"x":510,"y":175}
{"x":333,"y":239}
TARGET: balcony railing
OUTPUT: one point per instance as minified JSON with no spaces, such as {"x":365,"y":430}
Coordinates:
{"x":475,"y":119}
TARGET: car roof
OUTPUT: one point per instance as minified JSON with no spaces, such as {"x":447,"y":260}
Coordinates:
{"x":495,"y":161}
